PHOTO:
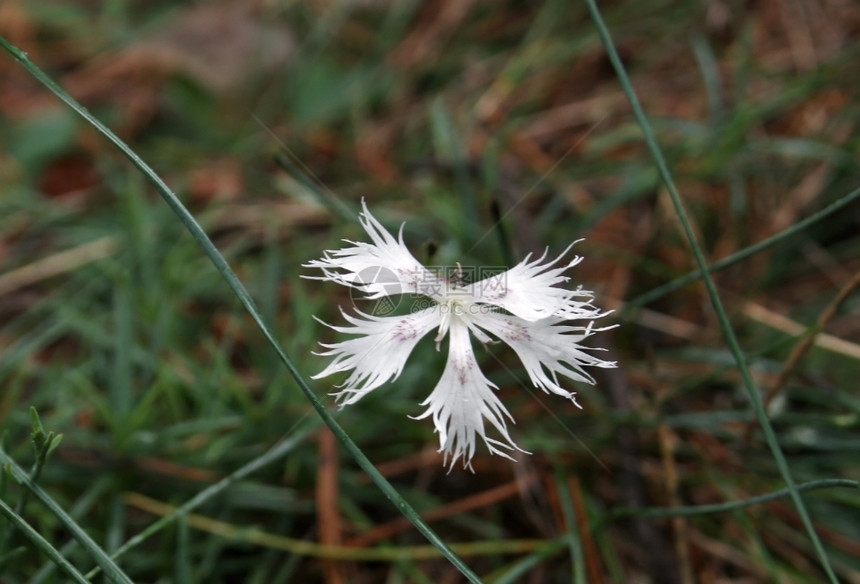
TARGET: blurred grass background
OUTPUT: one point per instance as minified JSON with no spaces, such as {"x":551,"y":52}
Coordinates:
{"x":271,"y":120}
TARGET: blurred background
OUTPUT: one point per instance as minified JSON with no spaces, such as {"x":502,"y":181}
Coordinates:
{"x":493,"y":129}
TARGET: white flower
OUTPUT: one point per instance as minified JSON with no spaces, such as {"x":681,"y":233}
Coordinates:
{"x":524,"y":307}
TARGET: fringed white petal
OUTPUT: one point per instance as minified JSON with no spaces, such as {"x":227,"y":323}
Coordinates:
{"x":531,"y":290}
{"x":384,"y":267}
{"x":547,"y":348}
{"x":462,"y":400}
{"x":378,"y":351}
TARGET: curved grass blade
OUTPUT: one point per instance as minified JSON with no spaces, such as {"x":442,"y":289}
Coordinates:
{"x":729,"y":505}
{"x":717,"y":303}
{"x":241,"y":292}
{"x":731,"y":260}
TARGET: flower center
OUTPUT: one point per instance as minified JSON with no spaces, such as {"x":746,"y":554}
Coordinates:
{"x":455,"y":304}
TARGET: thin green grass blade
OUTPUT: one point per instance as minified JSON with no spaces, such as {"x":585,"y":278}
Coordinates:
{"x":516,"y":571}
{"x":731,"y":260}
{"x":723,"y":319}
{"x":239,"y":289}
{"x":183,"y":569}
{"x":747,"y":523}
{"x":82,"y":506}
{"x":577,"y":557}
{"x":44,"y":443}
{"x":729,"y":505}
{"x":277,"y":452}
{"x":41,"y":543}
{"x":111,"y":570}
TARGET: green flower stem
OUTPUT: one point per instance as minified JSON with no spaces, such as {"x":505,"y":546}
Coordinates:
{"x":239,"y":289}
{"x":44,"y":443}
{"x":723,"y":319}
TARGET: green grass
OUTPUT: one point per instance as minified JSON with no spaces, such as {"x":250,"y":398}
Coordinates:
{"x":173,"y":405}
